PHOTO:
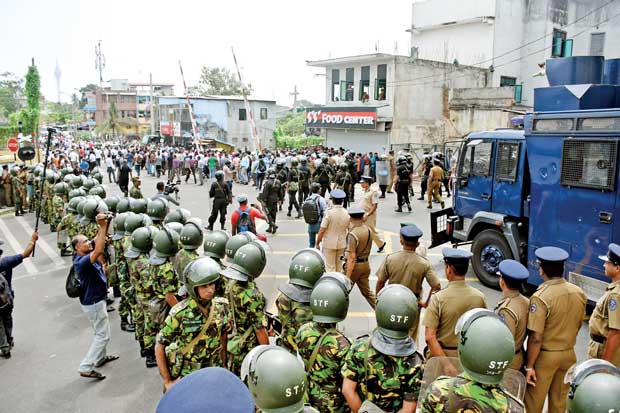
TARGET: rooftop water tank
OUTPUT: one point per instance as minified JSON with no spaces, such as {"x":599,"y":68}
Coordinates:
{"x":612,"y":72}
{"x":575,"y":70}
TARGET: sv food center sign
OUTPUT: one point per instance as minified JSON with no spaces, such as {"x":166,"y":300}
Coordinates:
{"x":341,"y":118}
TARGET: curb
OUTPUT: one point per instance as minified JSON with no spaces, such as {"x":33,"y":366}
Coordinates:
{"x":7,"y":211}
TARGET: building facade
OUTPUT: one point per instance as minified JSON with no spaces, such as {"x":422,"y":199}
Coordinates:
{"x":379,"y":101}
{"x":146,"y":109}
{"x":126,"y":110}
{"x":512,"y":38}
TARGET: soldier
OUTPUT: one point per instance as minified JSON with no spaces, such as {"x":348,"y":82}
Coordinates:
{"x":605,"y":320}
{"x":352,"y":168}
{"x":356,"y":254}
{"x":513,"y":308}
{"x":165,"y":284}
{"x":323,"y":174}
{"x":157,"y":209}
{"x":334,"y":227}
{"x":424,"y":171}
{"x":370,"y":204}
{"x":222,"y":197}
{"x":293,"y":302}
{"x":276,"y":379}
{"x":556,"y":311}
{"x":408,"y":268}
{"x":19,"y":190}
{"x":215,"y":245}
{"x":194,"y":334}
{"x":135,"y":191}
{"x":127,"y":294}
{"x":594,"y":387}
{"x":270,"y":196}
{"x":191,"y":240}
{"x":237,"y":241}
{"x":321,"y":346}
{"x":486,"y":349}
{"x":292,"y":186}
{"x":435,"y":178}
{"x":58,"y":207}
{"x":282,"y":176}
{"x":5,"y":179}
{"x":402,"y":182}
{"x":138,"y":205}
{"x":69,"y":226}
{"x":97,"y":190}
{"x":247,"y":303}
{"x":344,"y":182}
{"x":304,"y":180}
{"x":180,"y":215}
{"x":91,"y":208}
{"x":385,"y":368}
{"x":447,"y":305}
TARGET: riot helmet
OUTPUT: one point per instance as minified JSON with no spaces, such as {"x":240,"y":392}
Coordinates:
{"x":215,"y":244}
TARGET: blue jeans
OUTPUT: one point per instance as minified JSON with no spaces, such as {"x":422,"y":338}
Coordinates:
{"x":98,"y":316}
{"x":313,"y":230}
{"x":212,"y":172}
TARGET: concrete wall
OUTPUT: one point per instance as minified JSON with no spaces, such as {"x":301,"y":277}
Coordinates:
{"x":240,"y":132}
{"x":480,"y":109}
{"x":360,"y":141}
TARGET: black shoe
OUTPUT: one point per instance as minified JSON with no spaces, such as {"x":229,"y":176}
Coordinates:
{"x":150,"y":359}
{"x":52,"y":229}
{"x":6,"y":354}
{"x":299,"y":215}
{"x":382,"y":247}
{"x":448,"y":195}
{"x":443,"y":205}
{"x":420,"y":198}
{"x":382,"y":196}
{"x":110,"y":309}
{"x":430,"y":207}
{"x":223,"y":226}
{"x":143,"y":351}
{"x":116,"y":291}
{"x":398,"y":210}
{"x":288,"y":214}
{"x":274,"y":228}
{"x":109,"y":301}
{"x":409,"y":207}
{"x":210,"y":227}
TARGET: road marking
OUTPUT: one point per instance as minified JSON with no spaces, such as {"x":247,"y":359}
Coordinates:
{"x":28,"y":264}
{"x":54,"y":268}
{"x":51,"y":252}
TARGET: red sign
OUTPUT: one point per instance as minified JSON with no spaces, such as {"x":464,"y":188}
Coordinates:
{"x":12,"y":145}
{"x":342,"y":117}
{"x":165,"y":129}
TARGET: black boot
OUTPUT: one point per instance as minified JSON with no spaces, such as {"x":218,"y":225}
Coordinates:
{"x":288,"y":214}
{"x":399,"y":209}
{"x":117,"y":291}
{"x":223,"y":225}
{"x":143,"y":351}
{"x":210,"y":227}
{"x":124,"y":322}
{"x":409,"y":207}
{"x":299,"y":214}
{"x":150,"y":359}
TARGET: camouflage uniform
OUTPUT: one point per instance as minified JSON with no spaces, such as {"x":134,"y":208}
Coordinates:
{"x":385,"y":380}
{"x":292,"y":314}
{"x":324,"y":377}
{"x":138,"y":269}
{"x":462,"y":394}
{"x":34,"y":201}
{"x":127,"y":294}
{"x":247,"y":304}
{"x":58,"y":207}
{"x":19,"y":192}
{"x":183,"y":324}
{"x":162,"y":280}
{"x":181,"y":260}
{"x":48,"y":193}
{"x":68,"y":223}
{"x":135,"y":192}
{"x":90,"y":230}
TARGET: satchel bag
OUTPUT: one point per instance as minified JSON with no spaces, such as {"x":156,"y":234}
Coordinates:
{"x":73,"y":287}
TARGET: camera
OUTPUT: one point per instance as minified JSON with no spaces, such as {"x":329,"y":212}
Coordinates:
{"x":171,"y":187}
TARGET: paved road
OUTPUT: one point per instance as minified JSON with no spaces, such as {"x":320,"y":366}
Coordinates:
{"x":52,"y":335}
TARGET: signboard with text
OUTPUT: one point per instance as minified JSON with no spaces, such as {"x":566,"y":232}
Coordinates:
{"x":342,"y":118}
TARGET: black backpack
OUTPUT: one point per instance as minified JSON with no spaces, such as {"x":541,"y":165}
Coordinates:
{"x":73,"y":285}
{"x":311,"y":211}
{"x":244,"y":223}
{"x":6,"y":298}
{"x":261,"y":166}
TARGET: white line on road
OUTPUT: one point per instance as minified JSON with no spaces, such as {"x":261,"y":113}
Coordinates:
{"x":49,"y":269}
{"x":28,"y":264}
{"x":49,"y":251}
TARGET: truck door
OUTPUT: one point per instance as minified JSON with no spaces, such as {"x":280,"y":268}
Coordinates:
{"x":474,"y":179}
{"x":508,"y":182}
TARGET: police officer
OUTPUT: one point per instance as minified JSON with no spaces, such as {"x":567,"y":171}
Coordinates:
{"x":323,"y":175}
{"x":194,"y":334}
{"x":410,"y":269}
{"x":247,"y":303}
{"x":322,"y":346}
{"x":276,"y":379}
{"x":374,"y":364}
{"x":435,"y":178}
{"x":556,"y":311}
{"x":282,"y":176}
{"x":334,"y":227}
{"x":293,"y":302}
{"x":594,"y":387}
{"x":292,"y":186}
{"x":447,"y":305}
{"x":270,"y":196}
{"x":221,"y":195}
{"x":304,"y":179}
{"x":485,"y":351}
{"x":403,"y":182}
{"x":370,"y":204}
{"x":605,"y":320}
{"x":513,"y":308}
{"x":157,"y":209}
{"x":237,"y":241}
{"x":135,"y":191}
{"x":344,"y":182}
{"x":215,"y":245}
{"x":90,"y":209}
{"x":191,"y":239}
{"x":359,"y":242}
{"x":17,"y":191}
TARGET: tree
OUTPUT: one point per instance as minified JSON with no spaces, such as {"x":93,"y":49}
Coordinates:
{"x":11,"y":89}
{"x":32,"y":90}
{"x":293,"y":124}
{"x":114,"y":123}
{"x":219,"y":81}
{"x":91,"y":87}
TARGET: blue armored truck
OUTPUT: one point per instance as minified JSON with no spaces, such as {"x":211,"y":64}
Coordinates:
{"x":553,"y":183}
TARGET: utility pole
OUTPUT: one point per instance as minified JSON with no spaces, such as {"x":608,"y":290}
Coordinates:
{"x":152,"y":105}
{"x":99,"y":63}
{"x":294,"y":94}
{"x":191,"y":112}
{"x":248,"y":108}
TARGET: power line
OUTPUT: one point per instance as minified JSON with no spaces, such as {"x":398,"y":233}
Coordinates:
{"x":395,"y":82}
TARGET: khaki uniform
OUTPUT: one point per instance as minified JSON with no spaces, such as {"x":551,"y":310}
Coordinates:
{"x":409,"y":269}
{"x":336,"y":224}
{"x":513,"y":308}
{"x":556,"y":311}
{"x":390,"y":159}
{"x":444,"y":310}
{"x":606,"y":315}
{"x":434,"y":183}
{"x":359,"y":240}
{"x":6,"y":185}
{"x":370,"y":197}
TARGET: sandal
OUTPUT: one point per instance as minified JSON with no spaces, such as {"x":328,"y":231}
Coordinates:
{"x":92,"y":375}
{"x":106,"y":360}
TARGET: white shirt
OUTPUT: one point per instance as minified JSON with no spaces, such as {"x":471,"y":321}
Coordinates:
{"x":109,"y":163}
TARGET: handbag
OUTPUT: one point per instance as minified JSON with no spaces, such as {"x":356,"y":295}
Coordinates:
{"x":73,"y":287}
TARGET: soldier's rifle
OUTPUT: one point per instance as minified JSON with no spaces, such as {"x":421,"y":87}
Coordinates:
{"x":50,"y":131}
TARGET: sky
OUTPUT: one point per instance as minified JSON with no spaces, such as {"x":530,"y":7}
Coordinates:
{"x":272,"y":39}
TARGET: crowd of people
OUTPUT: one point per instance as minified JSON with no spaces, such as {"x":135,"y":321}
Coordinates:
{"x":202,"y":318}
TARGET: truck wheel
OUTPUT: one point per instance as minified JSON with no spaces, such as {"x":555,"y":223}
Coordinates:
{"x":489,"y":249}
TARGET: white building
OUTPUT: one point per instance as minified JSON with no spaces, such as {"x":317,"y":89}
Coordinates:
{"x":511,"y":37}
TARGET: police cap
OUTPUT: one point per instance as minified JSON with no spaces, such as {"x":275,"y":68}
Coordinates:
{"x":337,"y":194}
{"x":513,"y":270}
{"x":613,"y":254}
{"x":356,"y":212}
{"x":551,"y":254}
{"x":411,"y":233}
{"x":455,"y":256}
{"x":367,"y":178}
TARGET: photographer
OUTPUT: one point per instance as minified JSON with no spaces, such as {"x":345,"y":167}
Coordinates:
{"x":161,"y":193}
{"x":87,"y":263}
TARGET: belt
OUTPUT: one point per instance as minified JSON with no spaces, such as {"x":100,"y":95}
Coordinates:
{"x":436,"y":180}
{"x":598,"y":339}
{"x":360,"y":260}
{"x":447,"y":348}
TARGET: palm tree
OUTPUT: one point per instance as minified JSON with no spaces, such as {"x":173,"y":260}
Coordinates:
{"x":113,"y":123}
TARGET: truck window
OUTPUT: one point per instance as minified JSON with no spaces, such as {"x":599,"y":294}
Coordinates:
{"x":589,"y":163}
{"x":466,"y":164}
{"x":482,"y":159}
{"x":507,"y":161}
